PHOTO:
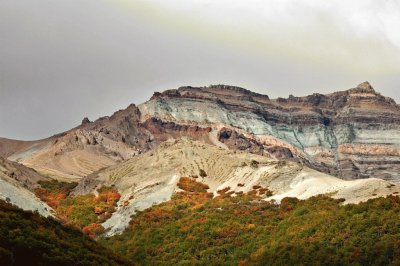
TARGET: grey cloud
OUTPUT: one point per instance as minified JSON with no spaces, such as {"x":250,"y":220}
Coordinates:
{"x":63,"y":60}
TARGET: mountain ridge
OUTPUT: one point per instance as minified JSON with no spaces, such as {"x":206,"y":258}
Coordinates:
{"x":336,"y":133}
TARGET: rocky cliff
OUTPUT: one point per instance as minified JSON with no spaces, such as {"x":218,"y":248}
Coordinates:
{"x":350,"y":134}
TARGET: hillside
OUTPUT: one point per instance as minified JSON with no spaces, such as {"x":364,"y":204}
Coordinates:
{"x":18,"y":184}
{"x":196,"y":229}
{"x":153,"y":176}
{"x":29,"y":239}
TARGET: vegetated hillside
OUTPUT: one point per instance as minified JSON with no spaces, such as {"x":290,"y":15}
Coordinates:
{"x":349,"y":134}
{"x":152,"y":178}
{"x":193,"y":228}
{"x":27,"y":238}
{"x":85,"y":212}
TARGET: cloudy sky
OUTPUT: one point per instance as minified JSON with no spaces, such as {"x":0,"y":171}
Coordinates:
{"x":62,"y":60}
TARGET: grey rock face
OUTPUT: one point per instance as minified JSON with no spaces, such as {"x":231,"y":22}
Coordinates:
{"x":350,"y":134}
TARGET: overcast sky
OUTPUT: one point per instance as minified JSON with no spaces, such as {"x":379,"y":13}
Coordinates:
{"x":62,"y":60}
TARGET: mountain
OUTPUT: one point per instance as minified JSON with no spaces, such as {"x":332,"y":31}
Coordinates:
{"x":349,"y":134}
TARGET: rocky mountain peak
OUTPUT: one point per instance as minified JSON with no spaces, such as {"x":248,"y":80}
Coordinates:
{"x":85,"y":121}
{"x":366,"y":87}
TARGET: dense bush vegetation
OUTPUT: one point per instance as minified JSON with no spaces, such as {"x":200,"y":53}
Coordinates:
{"x":194,"y":228}
{"x":26,"y":238}
{"x":86,"y":212}
{"x":190,"y":185}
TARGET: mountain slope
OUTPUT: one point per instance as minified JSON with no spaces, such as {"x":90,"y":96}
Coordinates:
{"x":17,"y":185}
{"x":153,"y":176}
{"x":194,"y":229}
{"x":29,"y":239}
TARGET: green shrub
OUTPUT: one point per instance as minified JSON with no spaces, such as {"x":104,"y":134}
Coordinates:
{"x":27,"y":238}
{"x":202,"y":173}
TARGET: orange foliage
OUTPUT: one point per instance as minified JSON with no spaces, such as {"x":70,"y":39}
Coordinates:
{"x":109,"y":196}
{"x":187,"y":184}
{"x":93,"y":230}
{"x":98,"y":210}
{"x":251,"y":226}
{"x":65,"y":206}
{"x":224,"y":190}
{"x":202,"y":220}
{"x":53,"y":199}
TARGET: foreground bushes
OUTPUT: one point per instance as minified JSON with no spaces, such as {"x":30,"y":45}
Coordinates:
{"x":26,"y":238}
{"x":194,"y":228}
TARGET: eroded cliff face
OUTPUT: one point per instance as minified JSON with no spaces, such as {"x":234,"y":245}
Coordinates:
{"x":350,"y":134}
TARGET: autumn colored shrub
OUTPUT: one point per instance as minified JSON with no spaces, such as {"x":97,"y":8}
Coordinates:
{"x":93,"y":230}
{"x":82,"y":211}
{"x":190,"y":185}
{"x":52,"y":192}
{"x":192,"y":229}
{"x":224,"y":190}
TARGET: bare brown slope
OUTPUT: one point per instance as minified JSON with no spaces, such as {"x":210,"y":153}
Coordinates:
{"x":102,"y":143}
{"x":10,"y":146}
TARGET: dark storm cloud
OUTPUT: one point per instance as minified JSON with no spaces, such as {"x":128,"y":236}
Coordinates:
{"x":63,"y":60}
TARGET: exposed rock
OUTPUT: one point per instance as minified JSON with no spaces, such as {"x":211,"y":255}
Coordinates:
{"x":17,"y":185}
{"x":85,"y":121}
{"x":313,"y":128}
{"x":350,"y":134}
{"x":24,"y":176}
